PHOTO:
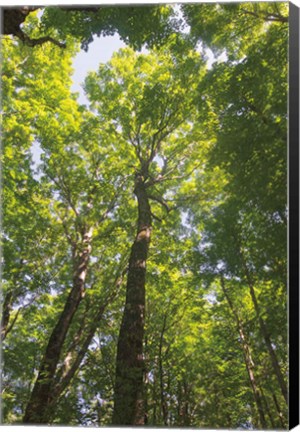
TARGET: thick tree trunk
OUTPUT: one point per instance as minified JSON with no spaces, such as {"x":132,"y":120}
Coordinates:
{"x":39,"y":405}
{"x":74,"y":357}
{"x":129,"y":387}
{"x":248,"y":358}
{"x":13,"y":18}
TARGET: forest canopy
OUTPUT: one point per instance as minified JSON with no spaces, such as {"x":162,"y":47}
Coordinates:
{"x":145,"y":253}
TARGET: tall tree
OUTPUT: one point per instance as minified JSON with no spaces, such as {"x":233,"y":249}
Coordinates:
{"x":154,"y":103}
{"x":84,"y":202}
{"x":194,"y":161}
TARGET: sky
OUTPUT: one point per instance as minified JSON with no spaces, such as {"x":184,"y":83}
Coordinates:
{"x":100,"y":51}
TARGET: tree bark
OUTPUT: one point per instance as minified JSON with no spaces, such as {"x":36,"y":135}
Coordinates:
{"x":38,"y":407}
{"x":13,"y":18}
{"x":129,"y":386}
{"x":247,"y":356}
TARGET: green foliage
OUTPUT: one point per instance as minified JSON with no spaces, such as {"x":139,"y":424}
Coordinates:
{"x":133,"y":24}
{"x":212,"y":146}
{"x":234,"y":27}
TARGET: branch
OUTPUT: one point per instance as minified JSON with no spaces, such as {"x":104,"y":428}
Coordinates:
{"x":10,"y":327}
{"x":80,"y":9}
{"x":161,"y":179}
{"x":65,"y":190}
{"x":156,"y":217}
{"x":267,"y":17}
{"x":15,"y":17}
{"x":156,"y":139}
{"x":161,"y":202}
{"x":70,"y":240}
{"x":136,"y":145}
{"x":113,"y":202}
{"x":39,"y":41}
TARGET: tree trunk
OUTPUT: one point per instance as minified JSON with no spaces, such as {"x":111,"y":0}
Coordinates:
{"x":129,"y":387}
{"x":38,"y":407}
{"x":268,"y":409}
{"x":279,"y":412}
{"x":67,"y":372}
{"x":180,"y":413}
{"x":154,"y":398}
{"x":266,"y":335}
{"x":13,"y":18}
{"x":248,"y":358}
{"x":186,"y":411}
{"x":6,"y":309}
{"x":183,"y":404}
{"x":163,"y":403}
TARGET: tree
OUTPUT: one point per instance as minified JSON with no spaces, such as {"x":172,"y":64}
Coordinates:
{"x":24,"y":107}
{"x":145,"y":249}
{"x":232,"y":28}
{"x":62,"y":207}
{"x":57,"y":25}
{"x":151,"y":120}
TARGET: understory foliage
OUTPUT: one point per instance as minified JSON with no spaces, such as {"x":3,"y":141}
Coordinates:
{"x":153,"y":217}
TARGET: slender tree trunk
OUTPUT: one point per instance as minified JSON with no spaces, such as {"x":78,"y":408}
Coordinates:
{"x":265,"y":333}
{"x":163,"y":403}
{"x":146,"y":384}
{"x":154,"y":398}
{"x":38,"y":407}
{"x":129,"y":386}
{"x":6,"y":309}
{"x":187,"y":388}
{"x":180,"y":413}
{"x":268,"y":409}
{"x":279,"y":412}
{"x":71,"y":370}
{"x":183,"y":404}
{"x":248,"y":358}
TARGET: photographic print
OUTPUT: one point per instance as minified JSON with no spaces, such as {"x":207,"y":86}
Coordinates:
{"x":145,"y":207}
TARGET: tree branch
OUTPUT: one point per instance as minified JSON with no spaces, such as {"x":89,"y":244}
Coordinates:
{"x":156,"y":217}
{"x":161,"y":201}
{"x":267,"y":17}
{"x":39,"y":41}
